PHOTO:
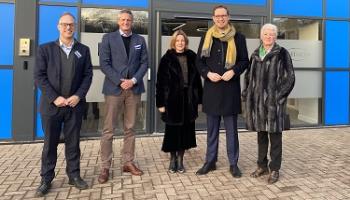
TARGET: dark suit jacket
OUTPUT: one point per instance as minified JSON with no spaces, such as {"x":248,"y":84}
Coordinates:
{"x":223,"y":97}
{"x":47,"y":74}
{"x":116,"y":65}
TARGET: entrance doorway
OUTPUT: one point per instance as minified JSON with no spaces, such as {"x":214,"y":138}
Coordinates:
{"x":195,"y":26}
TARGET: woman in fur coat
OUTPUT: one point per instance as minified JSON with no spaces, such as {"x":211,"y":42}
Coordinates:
{"x":268,"y":81}
{"x":178,"y":93}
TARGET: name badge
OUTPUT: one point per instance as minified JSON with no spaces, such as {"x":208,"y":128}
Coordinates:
{"x":138,"y":46}
{"x":77,"y":54}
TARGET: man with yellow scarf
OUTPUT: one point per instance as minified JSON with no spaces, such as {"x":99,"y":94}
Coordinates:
{"x":222,"y":57}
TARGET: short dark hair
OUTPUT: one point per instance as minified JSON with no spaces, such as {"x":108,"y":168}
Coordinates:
{"x":221,"y":6}
{"x":127,"y":11}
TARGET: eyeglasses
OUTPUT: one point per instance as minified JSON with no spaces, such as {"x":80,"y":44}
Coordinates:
{"x":220,"y":16}
{"x":65,"y":25}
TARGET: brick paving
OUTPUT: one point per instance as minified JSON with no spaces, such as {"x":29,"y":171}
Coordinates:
{"x":316,"y":165}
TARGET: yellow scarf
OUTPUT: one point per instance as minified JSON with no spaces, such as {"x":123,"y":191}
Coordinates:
{"x":226,"y":36}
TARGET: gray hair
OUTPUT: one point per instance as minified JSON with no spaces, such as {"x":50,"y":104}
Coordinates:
{"x":127,"y":12}
{"x":66,"y":13}
{"x":269,"y":26}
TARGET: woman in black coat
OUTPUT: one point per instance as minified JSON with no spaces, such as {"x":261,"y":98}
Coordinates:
{"x":268,"y":81}
{"x":178,"y":93}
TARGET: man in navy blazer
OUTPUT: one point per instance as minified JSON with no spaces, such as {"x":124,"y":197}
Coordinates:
{"x":63,"y":73}
{"x":124,"y":61}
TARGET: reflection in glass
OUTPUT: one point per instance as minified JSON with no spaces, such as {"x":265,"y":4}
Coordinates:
{"x":303,"y":39}
{"x":304,"y":111}
{"x":304,"y":103}
{"x":190,"y":26}
{"x":249,"y":30}
{"x":298,"y":29}
{"x":95,"y":22}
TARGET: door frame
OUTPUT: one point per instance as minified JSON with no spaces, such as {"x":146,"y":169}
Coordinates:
{"x":156,"y":49}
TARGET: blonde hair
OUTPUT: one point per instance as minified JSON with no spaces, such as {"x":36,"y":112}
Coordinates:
{"x":173,"y":38}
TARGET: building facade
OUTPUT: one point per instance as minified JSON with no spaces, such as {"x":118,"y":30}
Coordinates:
{"x":316,"y":33}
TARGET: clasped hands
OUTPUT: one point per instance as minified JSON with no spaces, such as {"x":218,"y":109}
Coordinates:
{"x":161,"y":109}
{"x":71,"y":101}
{"x":215,"y":77}
{"x":126,"y":84}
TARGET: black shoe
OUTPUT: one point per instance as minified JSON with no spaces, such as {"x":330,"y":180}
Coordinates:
{"x":172,"y":166}
{"x":207,"y":167}
{"x":259,"y":172}
{"x":78,"y":182}
{"x":273,"y":178}
{"x":235,"y":172}
{"x":42,"y":189}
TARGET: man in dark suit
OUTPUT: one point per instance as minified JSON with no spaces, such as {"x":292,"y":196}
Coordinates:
{"x":63,"y":73}
{"x":124,"y":61}
{"x":222,"y":57}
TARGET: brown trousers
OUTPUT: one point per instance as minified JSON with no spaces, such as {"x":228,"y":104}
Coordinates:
{"x":113,"y":105}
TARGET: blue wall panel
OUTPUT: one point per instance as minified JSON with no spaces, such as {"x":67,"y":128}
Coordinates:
{"x":337,"y":98}
{"x":7,"y":27}
{"x":6,"y":82}
{"x":48,"y":20}
{"x":312,"y":8}
{"x":338,"y":8}
{"x":60,"y":1}
{"x":128,"y":3}
{"x":39,"y":128}
{"x":337,"y":44}
{"x":238,"y":2}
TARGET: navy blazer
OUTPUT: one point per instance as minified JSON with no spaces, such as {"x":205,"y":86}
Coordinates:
{"x":47,"y":75}
{"x":116,"y":65}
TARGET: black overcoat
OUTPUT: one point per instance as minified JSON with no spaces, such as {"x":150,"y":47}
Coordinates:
{"x":222,"y":98}
{"x":268,"y":83}
{"x":170,"y":88}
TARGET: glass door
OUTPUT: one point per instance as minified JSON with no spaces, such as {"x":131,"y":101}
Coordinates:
{"x":95,"y":22}
{"x":195,"y":26}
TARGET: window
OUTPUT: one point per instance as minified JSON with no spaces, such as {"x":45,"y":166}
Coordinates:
{"x":303,"y":39}
{"x":95,"y":22}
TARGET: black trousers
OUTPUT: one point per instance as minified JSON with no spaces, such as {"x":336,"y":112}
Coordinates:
{"x":275,"y":150}
{"x":70,"y":121}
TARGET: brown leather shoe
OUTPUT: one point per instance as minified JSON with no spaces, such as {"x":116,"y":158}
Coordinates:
{"x":259,"y":172}
{"x":130,"y":167}
{"x":273,"y":178}
{"x":103,"y":176}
